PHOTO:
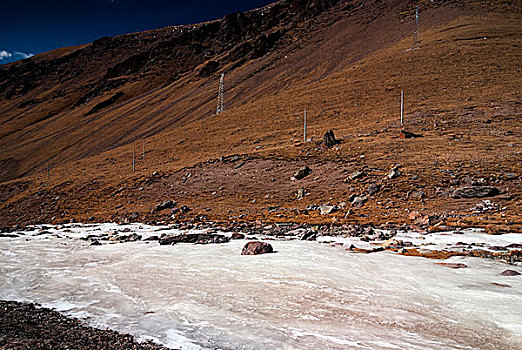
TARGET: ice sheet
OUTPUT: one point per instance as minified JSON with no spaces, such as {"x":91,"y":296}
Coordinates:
{"x":307,"y":295}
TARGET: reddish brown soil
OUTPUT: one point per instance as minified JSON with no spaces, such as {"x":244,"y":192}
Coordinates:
{"x":346,"y":66}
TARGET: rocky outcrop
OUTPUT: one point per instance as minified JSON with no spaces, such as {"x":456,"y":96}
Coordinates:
{"x":475,"y":192}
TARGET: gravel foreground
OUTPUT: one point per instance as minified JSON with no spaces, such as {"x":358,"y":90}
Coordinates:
{"x":25,"y":326}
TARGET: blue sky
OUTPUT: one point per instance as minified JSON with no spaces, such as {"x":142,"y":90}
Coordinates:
{"x":35,"y":26}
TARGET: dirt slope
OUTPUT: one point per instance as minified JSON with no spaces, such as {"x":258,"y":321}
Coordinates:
{"x":345,"y":62}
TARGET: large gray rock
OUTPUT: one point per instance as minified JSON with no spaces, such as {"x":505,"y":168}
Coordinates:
{"x":256,"y":248}
{"x":475,"y":192}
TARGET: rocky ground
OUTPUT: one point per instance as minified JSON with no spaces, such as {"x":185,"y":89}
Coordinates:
{"x":26,"y":326}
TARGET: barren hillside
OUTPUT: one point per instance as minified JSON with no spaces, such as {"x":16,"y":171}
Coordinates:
{"x":84,"y":110}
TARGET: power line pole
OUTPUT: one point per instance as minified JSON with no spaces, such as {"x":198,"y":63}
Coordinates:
{"x":134,"y":160}
{"x":220,"y":107}
{"x":416,"y":30}
{"x":305,"y":125}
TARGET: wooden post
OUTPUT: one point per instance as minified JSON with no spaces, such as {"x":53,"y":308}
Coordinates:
{"x":305,"y":125}
{"x":143,"y":144}
{"x":133,"y":160}
{"x":48,"y":170}
{"x":402,"y":107}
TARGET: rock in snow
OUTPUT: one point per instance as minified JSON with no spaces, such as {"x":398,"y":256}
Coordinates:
{"x":510,"y":273}
{"x":256,"y":247}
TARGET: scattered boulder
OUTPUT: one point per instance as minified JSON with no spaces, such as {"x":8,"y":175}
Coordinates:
{"x":372,"y":189}
{"x":501,"y":285}
{"x":359,"y":201}
{"x":302,"y":173}
{"x":418,"y":194}
{"x":403,"y":134}
{"x":475,"y":192}
{"x":327,"y":209}
{"x":392,"y":244}
{"x":394,"y":173}
{"x":453,"y":265}
{"x":236,"y":235}
{"x":309,"y":236}
{"x":239,"y":165}
{"x":167,"y":204}
{"x":256,"y":248}
{"x":329,"y":139}
{"x":484,"y":206}
{"x":355,"y":175}
{"x":193,"y":238}
{"x":514,"y":245}
{"x":129,"y":238}
{"x":510,"y":273}
{"x":301,"y":193}
{"x":184,"y":209}
{"x":419,"y":219}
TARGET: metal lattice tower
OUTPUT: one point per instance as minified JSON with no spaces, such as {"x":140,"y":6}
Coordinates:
{"x":416,"y":30}
{"x":220,"y":107}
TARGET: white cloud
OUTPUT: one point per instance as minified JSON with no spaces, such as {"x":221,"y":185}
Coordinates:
{"x":5,"y":54}
{"x":23,"y":55}
{"x":8,"y":57}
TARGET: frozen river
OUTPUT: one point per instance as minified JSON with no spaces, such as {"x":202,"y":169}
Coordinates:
{"x":305,"y":296}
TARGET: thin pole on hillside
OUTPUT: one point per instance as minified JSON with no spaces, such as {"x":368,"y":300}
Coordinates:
{"x":402,"y":107}
{"x":143,"y":146}
{"x":305,"y":125}
{"x":133,"y":160}
{"x":48,"y":170}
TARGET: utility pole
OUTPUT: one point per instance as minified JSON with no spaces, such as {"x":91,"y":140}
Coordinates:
{"x":305,"y":125}
{"x":133,"y":160}
{"x":402,"y":107}
{"x":220,"y":107}
{"x":416,"y":30}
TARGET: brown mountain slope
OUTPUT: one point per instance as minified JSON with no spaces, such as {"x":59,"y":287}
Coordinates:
{"x":346,"y":64}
